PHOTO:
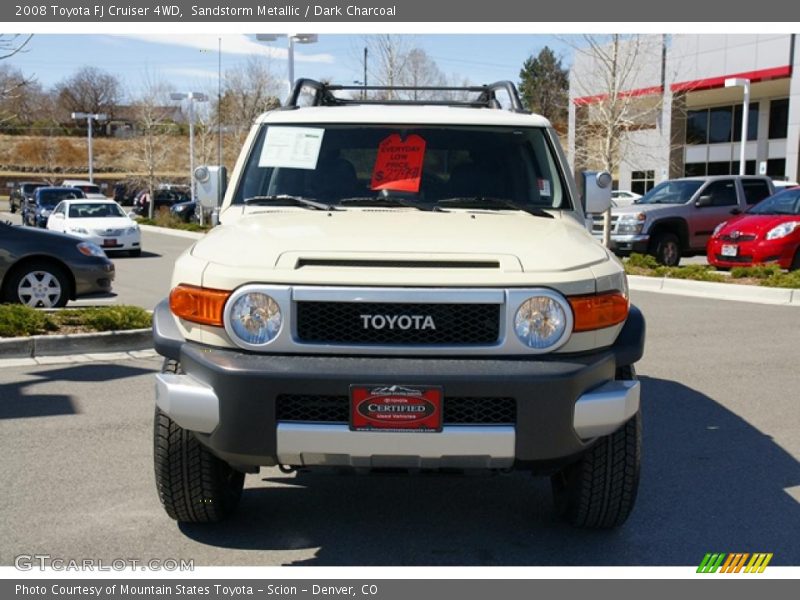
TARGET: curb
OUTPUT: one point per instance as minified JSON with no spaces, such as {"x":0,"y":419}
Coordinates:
{"x":193,"y":235}
{"x":76,"y":343}
{"x":715,"y":291}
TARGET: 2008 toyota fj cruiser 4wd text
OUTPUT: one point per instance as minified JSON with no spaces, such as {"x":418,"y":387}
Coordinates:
{"x":400,"y":284}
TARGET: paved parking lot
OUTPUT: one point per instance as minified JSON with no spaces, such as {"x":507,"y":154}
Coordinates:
{"x":720,"y":471}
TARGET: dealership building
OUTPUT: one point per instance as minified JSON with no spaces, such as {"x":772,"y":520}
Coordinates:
{"x":679,"y":118}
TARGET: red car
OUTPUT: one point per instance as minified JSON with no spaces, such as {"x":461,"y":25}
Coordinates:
{"x":767,"y":233}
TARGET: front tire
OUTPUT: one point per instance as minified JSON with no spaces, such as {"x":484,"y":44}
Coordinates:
{"x":666,"y":247}
{"x":194,"y":486}
{"x":39,"y":284}
{"x":599,"y":491}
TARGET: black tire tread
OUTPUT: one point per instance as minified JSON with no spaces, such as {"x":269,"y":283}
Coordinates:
{"x":194,"y":486}
{"x":599,"y":491}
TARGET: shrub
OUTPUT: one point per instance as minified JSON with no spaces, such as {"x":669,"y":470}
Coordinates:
{"x":20,"y":320}
{"x":115,"y":318}
{"x":756,"y":272}
{"x":694,"y":272}
{"x":643,"y":261}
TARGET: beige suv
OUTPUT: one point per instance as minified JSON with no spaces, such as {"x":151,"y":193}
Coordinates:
{"x":406,"y":285}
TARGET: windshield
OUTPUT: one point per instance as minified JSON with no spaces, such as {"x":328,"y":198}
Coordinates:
{"x":49,"y":198}
{"x":29,"y":188}
{"x":94,"y":210}
{"x":402,"y":166}
{"x":786,"y":202}
{"x":671,"y":192}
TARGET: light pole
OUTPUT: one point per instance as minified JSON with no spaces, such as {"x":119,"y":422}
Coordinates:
{"x":192,"y":97}
{"x":89,"y":118}
{"x":745,"y":83}
{"x":300,"y":38}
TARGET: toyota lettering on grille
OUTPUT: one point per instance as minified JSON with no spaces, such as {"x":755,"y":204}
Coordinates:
{"x":404,"y":322}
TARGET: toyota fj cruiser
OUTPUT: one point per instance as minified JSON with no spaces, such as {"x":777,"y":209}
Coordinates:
{"x":400,"y":284}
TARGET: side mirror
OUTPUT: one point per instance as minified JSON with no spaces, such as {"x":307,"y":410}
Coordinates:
{"x":211,"y":183}
{"x":597,"y":191}
{"x":703,"y":201}
{"x":58,"y":215}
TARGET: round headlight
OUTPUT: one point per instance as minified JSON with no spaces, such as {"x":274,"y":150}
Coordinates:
{"x":255,"y":318}
{"x":540,"y":322}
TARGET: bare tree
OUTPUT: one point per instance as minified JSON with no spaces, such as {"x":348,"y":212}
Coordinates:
{"x":388,"y":56}
{"x":152,"y":115}
{"x":421,"y":71}
{"x":617,"y":92}
{"x":13,"y":43}
{"x":89,"y":90}
{"x":249,"y":90}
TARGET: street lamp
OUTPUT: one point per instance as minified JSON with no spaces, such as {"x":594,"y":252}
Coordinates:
{"x":300,"y":38}
{"x":192,"y":97}
{"x":89,"y":118}
{"x":744,"y":83}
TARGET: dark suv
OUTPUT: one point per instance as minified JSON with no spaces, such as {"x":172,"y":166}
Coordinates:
{"x":37,"y":209}
{"x":21,"y":192}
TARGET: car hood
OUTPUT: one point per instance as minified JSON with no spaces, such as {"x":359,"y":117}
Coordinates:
{"x":102,"y":223}
{"x":757,"y":225}
{"x":641,"y":208}
{"x":515,"y":241}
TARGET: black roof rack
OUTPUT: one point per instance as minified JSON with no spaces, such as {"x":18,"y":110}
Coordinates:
{"x":323,"y":95}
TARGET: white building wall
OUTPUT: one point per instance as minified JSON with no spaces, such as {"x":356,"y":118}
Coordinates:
{"x":793,"y":130}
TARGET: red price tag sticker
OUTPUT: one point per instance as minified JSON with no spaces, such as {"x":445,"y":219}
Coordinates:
{"x":398,"y":165}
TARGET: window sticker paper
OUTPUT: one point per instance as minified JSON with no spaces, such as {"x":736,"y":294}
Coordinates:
{"x":544,"y":187}
{"x":291,"y":147}
{"x":398,"y":165}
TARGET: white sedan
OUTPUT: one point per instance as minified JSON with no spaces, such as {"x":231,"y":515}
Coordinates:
{"x":100,"y":221}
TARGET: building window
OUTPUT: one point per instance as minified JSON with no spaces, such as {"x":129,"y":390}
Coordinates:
{"x":697,"y":127}
{"x":719,"y":168}
{"x":752,"y":122}
{"x":694,"y":169}
{"x":749,"y":167}
{"x":642,"y":181}
{"x":719,"y":125}
{"x":776,"y":167}
{"x":778,"y":118}
{"x":714,"y":125}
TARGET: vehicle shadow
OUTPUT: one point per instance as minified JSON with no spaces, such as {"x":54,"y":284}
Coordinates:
{"x":710,"y":483}
{"x":19,"y":401}
{"x":125,"y":255}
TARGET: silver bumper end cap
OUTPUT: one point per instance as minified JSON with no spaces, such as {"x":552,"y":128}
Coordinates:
{"x":478,"y":447}
{"x":190,"y":403}
{"x":603,"y":410}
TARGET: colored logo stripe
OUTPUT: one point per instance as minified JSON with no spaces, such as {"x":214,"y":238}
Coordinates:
{"x":734,"y":562}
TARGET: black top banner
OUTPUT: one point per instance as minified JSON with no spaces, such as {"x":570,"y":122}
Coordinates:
{"x":462,"y":11}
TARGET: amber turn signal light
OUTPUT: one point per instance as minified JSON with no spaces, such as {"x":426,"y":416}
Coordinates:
{"x":197,"y":304}
{"x":599,"y":310}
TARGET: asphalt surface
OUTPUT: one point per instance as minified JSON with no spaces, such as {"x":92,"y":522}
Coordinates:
{"x":720,"y":470}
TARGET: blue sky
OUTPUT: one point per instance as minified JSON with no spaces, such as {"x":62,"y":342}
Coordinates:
{"x":189,"y":61}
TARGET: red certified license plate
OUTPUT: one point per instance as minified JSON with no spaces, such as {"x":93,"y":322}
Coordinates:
{"x":395,"y":408}
{"x":109,"y":242}
{"x":729,"y":250}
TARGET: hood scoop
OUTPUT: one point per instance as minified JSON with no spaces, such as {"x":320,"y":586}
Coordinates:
{"x":342,"y":263}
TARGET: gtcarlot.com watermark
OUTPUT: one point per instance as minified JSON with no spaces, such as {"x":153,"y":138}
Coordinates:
{"x":42,"y":562}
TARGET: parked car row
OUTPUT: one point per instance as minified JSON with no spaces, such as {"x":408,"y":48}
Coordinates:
{"x":734,"y":220}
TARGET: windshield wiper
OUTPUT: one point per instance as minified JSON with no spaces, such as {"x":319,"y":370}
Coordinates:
{"x":491,"y":202}
{"x":384,"y":201}
{"x":288,"y":200}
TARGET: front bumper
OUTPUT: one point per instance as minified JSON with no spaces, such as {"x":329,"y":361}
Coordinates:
{"x":755,"y":252}
{"x":230,"y":399}
{"x":627,"y":244}
{"x":92,"y":276}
